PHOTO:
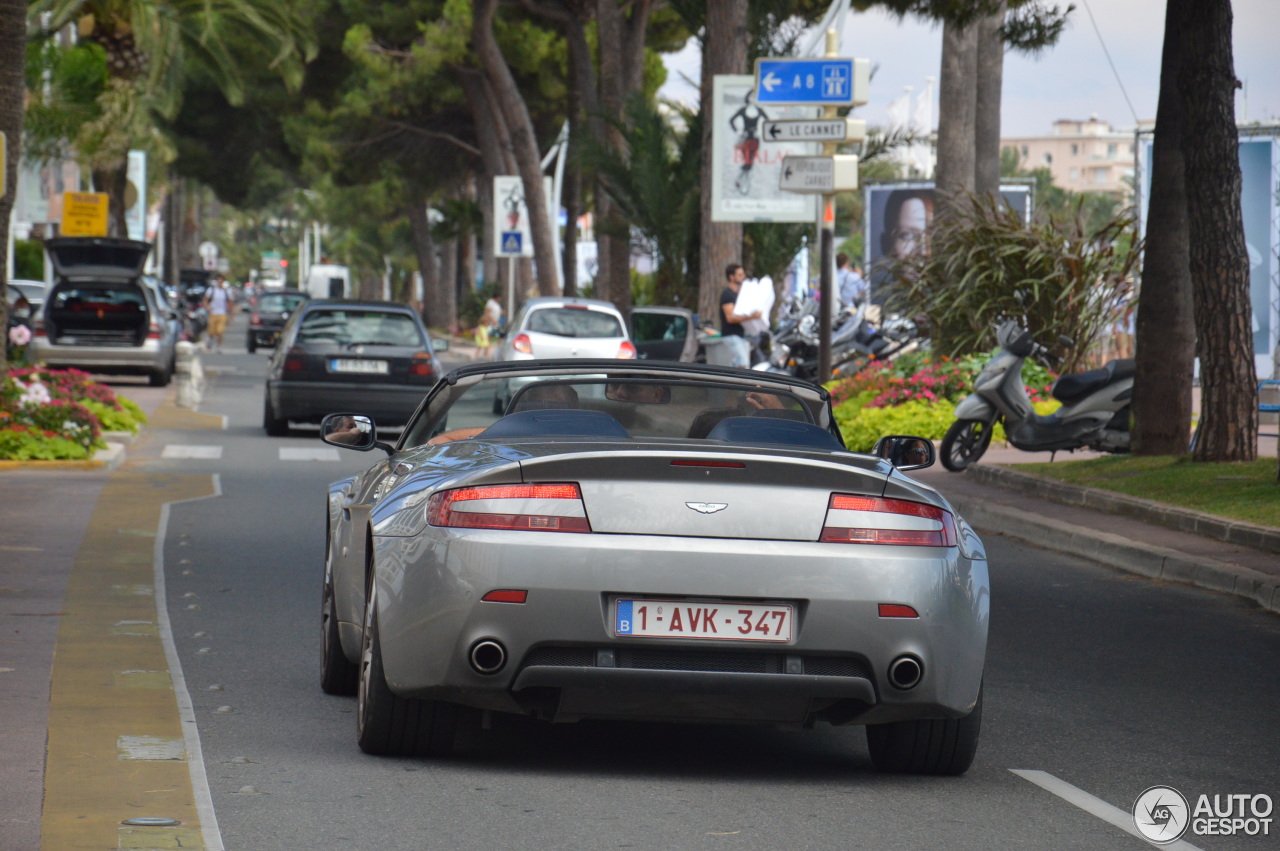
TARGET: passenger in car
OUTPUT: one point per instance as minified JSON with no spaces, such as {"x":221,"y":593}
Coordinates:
{"x":536,"y":397}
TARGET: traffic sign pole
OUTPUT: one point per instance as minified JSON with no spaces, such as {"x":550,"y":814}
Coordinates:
{"x":826,"y":246}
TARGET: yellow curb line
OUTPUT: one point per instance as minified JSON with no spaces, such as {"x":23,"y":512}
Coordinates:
{"x":116,"y":746}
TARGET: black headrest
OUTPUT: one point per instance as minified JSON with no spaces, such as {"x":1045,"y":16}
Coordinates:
{"x":557,"y":423}
{"x":774,"y":431}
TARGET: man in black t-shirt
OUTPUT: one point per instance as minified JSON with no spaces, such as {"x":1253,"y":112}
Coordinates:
{"x":730,"y":322}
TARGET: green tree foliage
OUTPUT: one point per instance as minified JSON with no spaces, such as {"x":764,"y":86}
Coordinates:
{"x":654,"y":182}
{"x":986,"y":265}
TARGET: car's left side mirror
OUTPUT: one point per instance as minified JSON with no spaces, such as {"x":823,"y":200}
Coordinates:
{"x":351,"y":431}
{"x":906,"y":452}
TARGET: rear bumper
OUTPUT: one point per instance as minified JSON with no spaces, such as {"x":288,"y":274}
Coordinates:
{"x":833,"y":669}
{"x":151,"y":356}
{"x":311,"y":401}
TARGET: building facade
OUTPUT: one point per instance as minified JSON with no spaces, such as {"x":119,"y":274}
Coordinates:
{"x":1082,"y":156}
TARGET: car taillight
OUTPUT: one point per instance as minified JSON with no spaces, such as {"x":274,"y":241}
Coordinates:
{"x":255,"y":319}
{"x":530,"y":508}
{"x":853,"y":519}
{"x":522,"y":344}
{"x":421,"y":364}
{"x":626,"y":351}
{"x":153,"y":333}
{"x":293,"y":361}
{"x":38,"y":330}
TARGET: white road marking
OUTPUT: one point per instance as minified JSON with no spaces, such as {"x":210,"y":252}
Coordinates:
{"x":149,"y":748}
{"x":298,"y":453}
{"x":186,"y":710}
{"x":181,"y":450}
{"x":1093,"y":806}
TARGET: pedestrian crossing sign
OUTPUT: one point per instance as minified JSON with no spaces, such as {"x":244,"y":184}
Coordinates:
{"x":512,"y":242}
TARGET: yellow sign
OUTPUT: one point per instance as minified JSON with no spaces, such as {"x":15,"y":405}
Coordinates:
{"x":84,"y":214}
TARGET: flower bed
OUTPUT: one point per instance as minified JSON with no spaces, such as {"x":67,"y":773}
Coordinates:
{"x":53,"y":414}
{"x":917,"y":395}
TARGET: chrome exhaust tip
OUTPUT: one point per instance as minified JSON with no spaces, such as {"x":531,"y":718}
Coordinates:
{"x":487,"y":656}
{"x":905,"y":672}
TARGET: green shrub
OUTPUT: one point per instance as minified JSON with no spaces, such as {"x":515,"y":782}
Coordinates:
{"x":862,"y":426}
{"x":19,"y":443}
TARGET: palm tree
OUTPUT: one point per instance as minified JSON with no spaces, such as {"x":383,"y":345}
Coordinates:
{"x":152,"y":47}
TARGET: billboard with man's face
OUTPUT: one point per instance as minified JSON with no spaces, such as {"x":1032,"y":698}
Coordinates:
{"x":899,"y":217}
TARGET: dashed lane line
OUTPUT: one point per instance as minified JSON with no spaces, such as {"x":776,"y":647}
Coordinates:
{"x":1093,"y":806}
{"x":300,"y":453}
{"x":191,"y":451}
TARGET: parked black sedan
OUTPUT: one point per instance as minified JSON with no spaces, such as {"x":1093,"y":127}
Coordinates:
{"x":342,"y":355}
{"x":268,"y":316}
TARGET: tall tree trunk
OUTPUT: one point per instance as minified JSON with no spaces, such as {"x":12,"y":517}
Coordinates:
{"x":1219,"y":260}
{"x":989,"y":79}
{"x":724,"y":51}
{"x":1165,"y":344}
{"x":583,"y":122}
{"x":620,"y":27}
{"x":449,"y":269}
{"x":495,"y":153}
{"x":13,"y":52}
{"x":957,"y":112}
{"x":114,"y":181}
{"x":437,"y":301}
{"x":524,"y":142}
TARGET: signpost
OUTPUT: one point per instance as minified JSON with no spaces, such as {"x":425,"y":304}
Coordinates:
{"x":820,"y":175}
{"x":816,"y":130}
{"x":84,"y":214}
{"x":829,"y":82}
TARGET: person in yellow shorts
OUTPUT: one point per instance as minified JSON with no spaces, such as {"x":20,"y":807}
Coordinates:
{"x":218,"y":302}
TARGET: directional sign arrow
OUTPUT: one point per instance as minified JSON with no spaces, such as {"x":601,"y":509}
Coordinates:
{"x":816,"y":130}
{"x":770,"y":82}
{"x":820,"y":175}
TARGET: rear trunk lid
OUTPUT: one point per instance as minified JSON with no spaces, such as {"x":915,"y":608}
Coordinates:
{"x":97,"y":257}
{"x":776,"y":495}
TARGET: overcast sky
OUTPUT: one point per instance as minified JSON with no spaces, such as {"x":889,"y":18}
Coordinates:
{"x":1070,"y":80}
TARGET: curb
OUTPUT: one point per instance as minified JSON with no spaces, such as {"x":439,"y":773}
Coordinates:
{"x":1121,"y":553}
{"x":1183,"y":520}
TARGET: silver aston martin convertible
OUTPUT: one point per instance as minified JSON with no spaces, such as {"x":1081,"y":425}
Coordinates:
{"x":631,"y":540}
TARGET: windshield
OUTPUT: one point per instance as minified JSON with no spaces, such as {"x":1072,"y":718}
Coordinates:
{"x":574,"y":322}
{"x":356,"y":327}
{"x":644,"y":407}
{"x":280,"y":302}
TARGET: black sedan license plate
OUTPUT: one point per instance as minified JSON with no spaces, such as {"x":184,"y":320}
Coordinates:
{"x":725,"y":621}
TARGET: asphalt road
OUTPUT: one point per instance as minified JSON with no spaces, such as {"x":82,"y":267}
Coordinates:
{"x":1109,"y":682}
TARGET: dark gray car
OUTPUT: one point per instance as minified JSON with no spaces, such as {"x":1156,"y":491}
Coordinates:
{"x":349,"y":355}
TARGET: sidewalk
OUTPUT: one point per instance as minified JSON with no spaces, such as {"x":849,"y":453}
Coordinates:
{"x":995,"y":498}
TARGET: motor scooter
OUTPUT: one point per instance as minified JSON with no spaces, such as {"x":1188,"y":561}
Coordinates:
{"x":1094,"y":412}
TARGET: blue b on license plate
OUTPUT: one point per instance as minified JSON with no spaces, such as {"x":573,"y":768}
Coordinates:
{"x":725,"y":621}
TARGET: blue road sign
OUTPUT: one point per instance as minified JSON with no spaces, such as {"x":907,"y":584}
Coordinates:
{"x":823,"y":82}
{"x":511,"y":242}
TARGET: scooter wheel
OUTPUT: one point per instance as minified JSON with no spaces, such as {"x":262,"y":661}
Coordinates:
{"x":964,"y":443}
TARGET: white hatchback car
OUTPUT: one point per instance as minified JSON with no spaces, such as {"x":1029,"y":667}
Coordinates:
{"x":562,"y":328}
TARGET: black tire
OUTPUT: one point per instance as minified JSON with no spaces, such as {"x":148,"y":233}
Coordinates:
{"x":253,"y":344}
{"x":964,"y":443}
{"x":388,"y":725}
{"x":944,"y":746}
{"x":275,"y":426}
{"x":338,"y":674}
{"x":161,"y":378}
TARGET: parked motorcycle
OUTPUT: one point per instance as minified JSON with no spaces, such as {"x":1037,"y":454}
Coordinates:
{"x":794,"y":342}
{"x":1094,"y":412}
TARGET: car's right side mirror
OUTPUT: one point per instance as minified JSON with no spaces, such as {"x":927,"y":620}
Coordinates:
{"x":906,"y":452}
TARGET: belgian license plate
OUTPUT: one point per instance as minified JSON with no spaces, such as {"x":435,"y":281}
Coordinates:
{"x":725,"y":621}
{"x":371,"y":367}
